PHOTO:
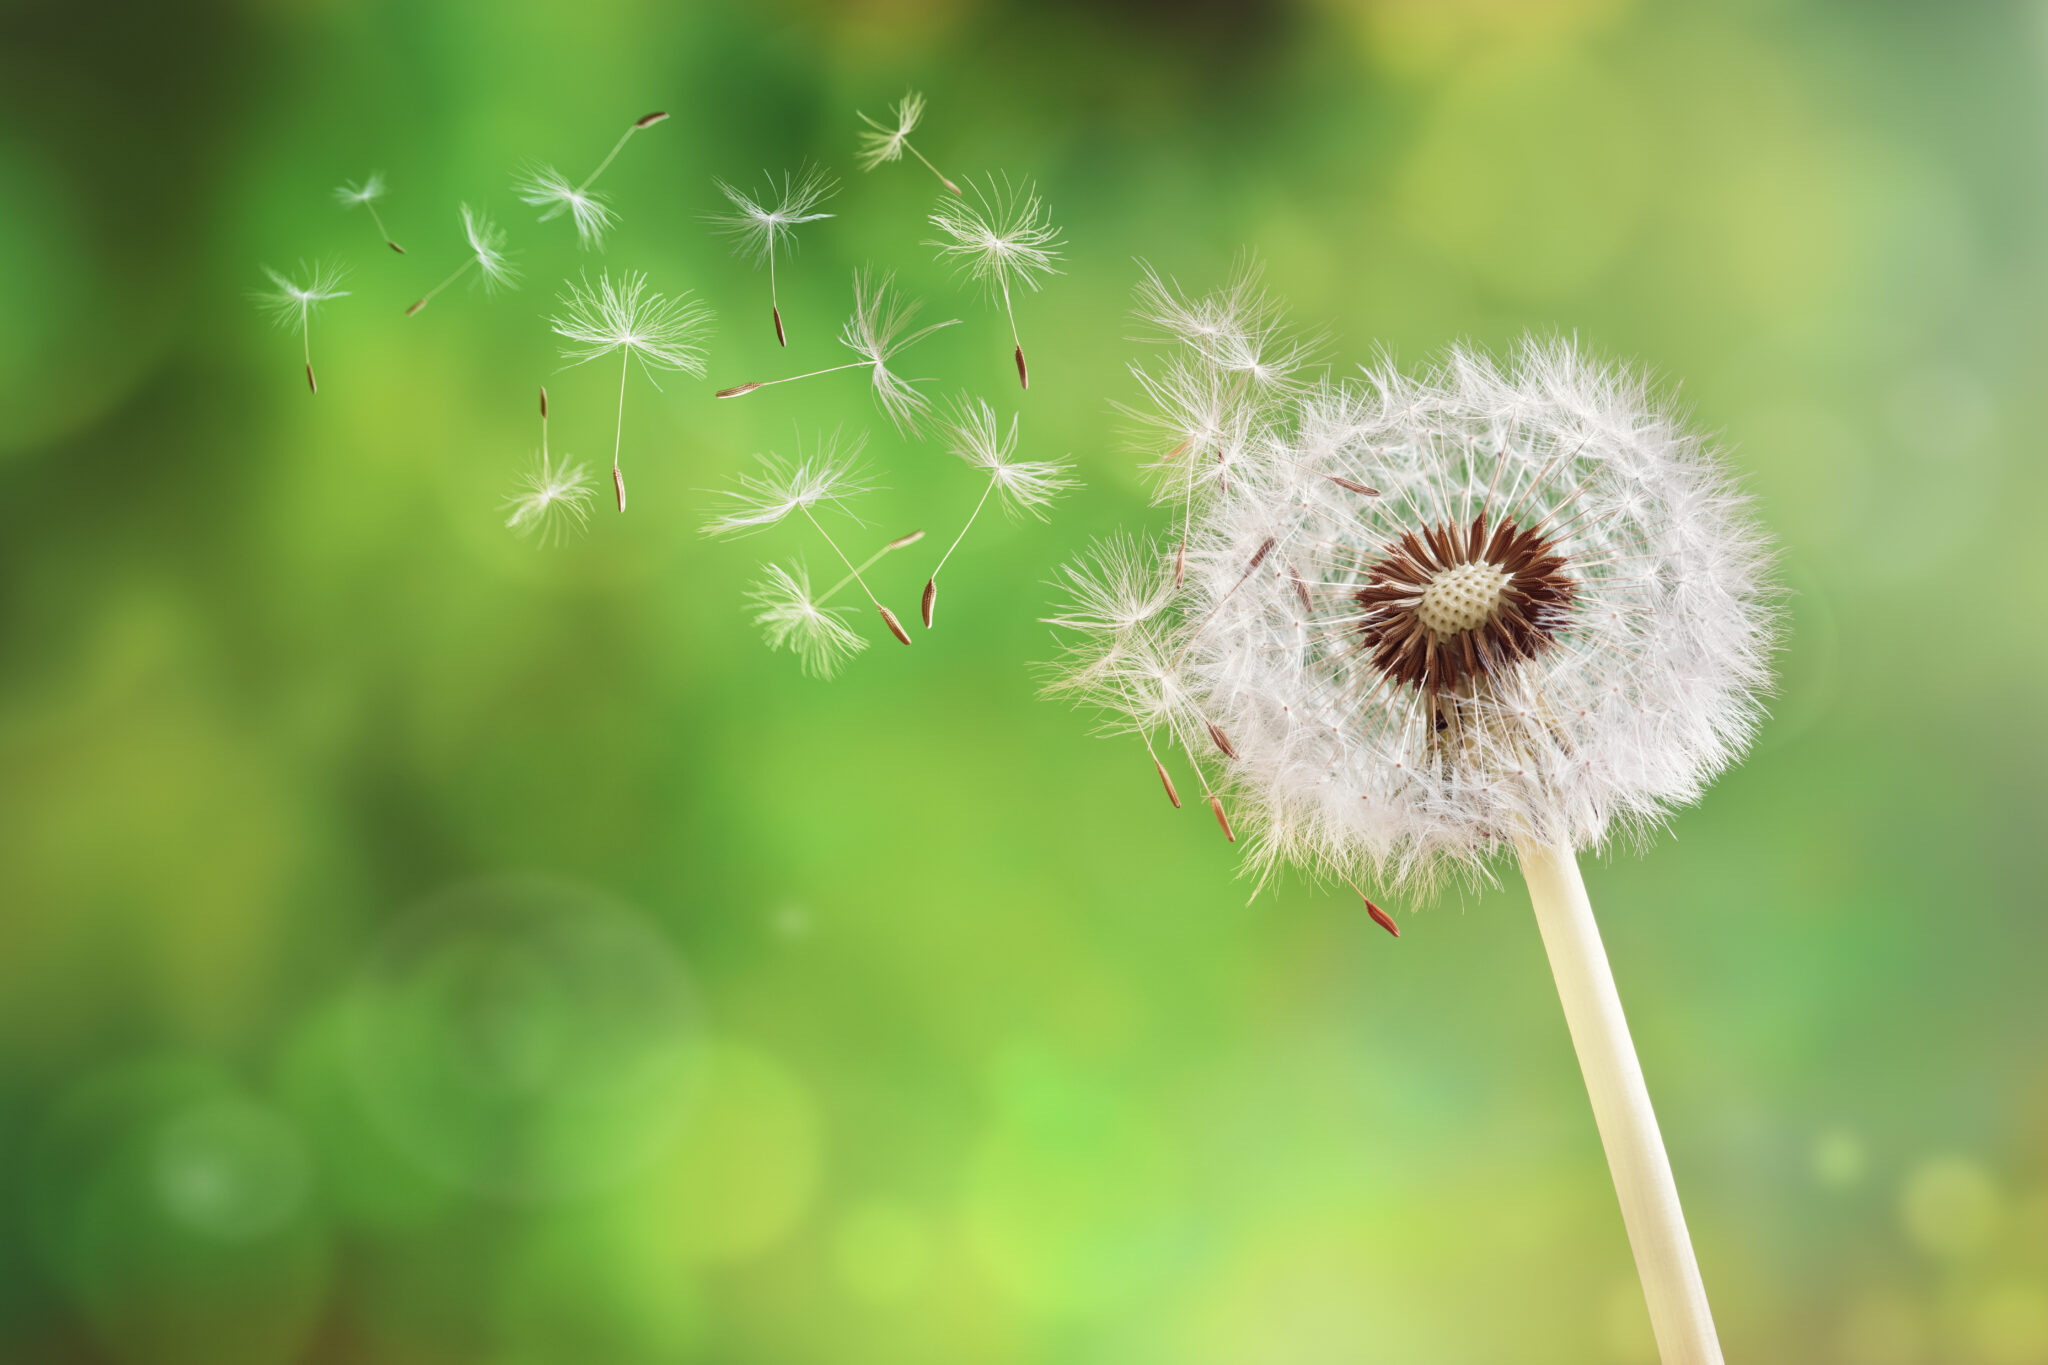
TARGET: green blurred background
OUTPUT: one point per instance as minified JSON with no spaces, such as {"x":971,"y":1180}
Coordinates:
{"x":419,"y":946}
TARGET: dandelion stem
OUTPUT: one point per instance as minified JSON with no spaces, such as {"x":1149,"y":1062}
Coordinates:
{"x":616,"y":147}
{"x":865,"y":565}
{"x":619,"y":433}
{"x":379,"y":221}
{"x":888,"y":617}
{"x":428,"y":297}
{"x":739,"y":389}
{"x":964,"y":529}
{"x":1023,"y":375}
{"x":306,"y":337}
{"x":1669,"y":1272}
{"x":933,"y":169}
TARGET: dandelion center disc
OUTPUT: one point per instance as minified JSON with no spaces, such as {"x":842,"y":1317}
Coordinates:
{"x":1446,"y":606}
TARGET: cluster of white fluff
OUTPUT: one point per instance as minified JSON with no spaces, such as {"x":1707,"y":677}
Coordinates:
{"x":1235,"y":638}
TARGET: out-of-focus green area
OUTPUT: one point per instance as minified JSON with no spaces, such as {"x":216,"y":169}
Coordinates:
{"x":420,"y":946}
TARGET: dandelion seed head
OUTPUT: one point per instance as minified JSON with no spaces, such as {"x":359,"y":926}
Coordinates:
{"x":552,"y":500}
{"x":368,"y":192}
{"x":885,"y":141}
{"x":876,"y":331}
{"x":625,"y":315}
{"x":831,"y":473}
{"x":487,"y":243}
{"x":550,"y":191}
{"x":1552,"y":624}
{"x":290,"y":303}
{"x":1003,"y":235}
{"x":759,"y":225}
{"x":791,"y":617}
{"x":979,"y":438}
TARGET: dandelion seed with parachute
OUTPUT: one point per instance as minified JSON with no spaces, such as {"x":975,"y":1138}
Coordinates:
{"x":293,"y":304}
{"x":638,"y":324}
{"x":366,"y":196}
{"x":553,"y":498}
{"x":1551,"y":625}
{"x":782,"y":488}
{"x":792,"y":617}
{"x":550,"y":191}
{"x":875,"y":331}
{"x":757,"y":228}
{"x":889,"y":141}
{"x":486,"y":256}
{"x":1005,"y":237}
{"x":1027,"y":486}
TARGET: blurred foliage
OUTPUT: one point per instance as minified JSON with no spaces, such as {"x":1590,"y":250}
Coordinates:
{"x":416,"y":945}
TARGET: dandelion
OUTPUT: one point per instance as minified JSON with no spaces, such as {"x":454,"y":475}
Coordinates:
{"x":792,"y":616}
{"x":888,"y":143}
{"x":875,"y":332}
{"x":294,"y":304}
{"x":486,"y":256}
{"x":550,"y":191}
{"x":782,"y":488}
{"x":366,"y":196}
{"x":1026,"y":485}
{"x":553,"y":497}
{"x":758,"y":229}
{"x":1550,"y":625}
{"x":1006,"y":238}
{"x":639,"y":324}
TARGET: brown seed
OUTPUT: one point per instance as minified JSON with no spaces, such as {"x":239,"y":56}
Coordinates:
{"x":1023,"y":375}
{"x":543,"y":404}
{"x":1167,"y":782}
{"x":1222,"y":819}
{"x":1260,"y":557}
{"x":1221,"y":740}
{"x":1301,"y":591}
{"x":895,"y":626}
{"x":394,"y":246}
{"x":619,"y":482}
{"x":416,"y":308}
{"x":1379,"y":916}
{"x":951,"y":186}
{"x":1179,"y":450}
{"x":1354,"y":486}
{"x":931,"y":595}
{"x":1180,"y":563}
{"x":780,"y":338}
{"x":649,"y":120}
{"x":738,"y":389}
{"x":311,"y":383}
{"x":901,"y":541}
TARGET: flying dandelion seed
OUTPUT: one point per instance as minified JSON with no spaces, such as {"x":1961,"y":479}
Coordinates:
{"x":875,"y":332}
{"x":293,"y":304}
{"x":550,"y":191}
{"x":757,"y":229}
{"x":829,"y":474}
{"x":554,"y":498}
{"x":792,"y":617}
{"x":639,"y":324}
{"x":1004,"y":238}
{"x":1550,"y":625}
{"x":1026,"y":485}
{"x":486,"y":256}
{"x":887,"y":142}
{"x":366,"y":196}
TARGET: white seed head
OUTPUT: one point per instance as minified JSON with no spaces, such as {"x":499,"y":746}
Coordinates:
{"x":875,"y":331}
{"x":290,"y":303}
{"x":552,"y":500}
{"x":351,"y":196}
{"x":885,"y":141}
{"x":977,"y":437}
{"x":1003,"y":236}
{"x":791,"y":617}
{"x":759,"y":225}
{"x":550,"y":191}
{"x":830,"y":473}
{"x":625,"y":315}
{"x":487,"y":242}
{"x":1552,"y":624}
